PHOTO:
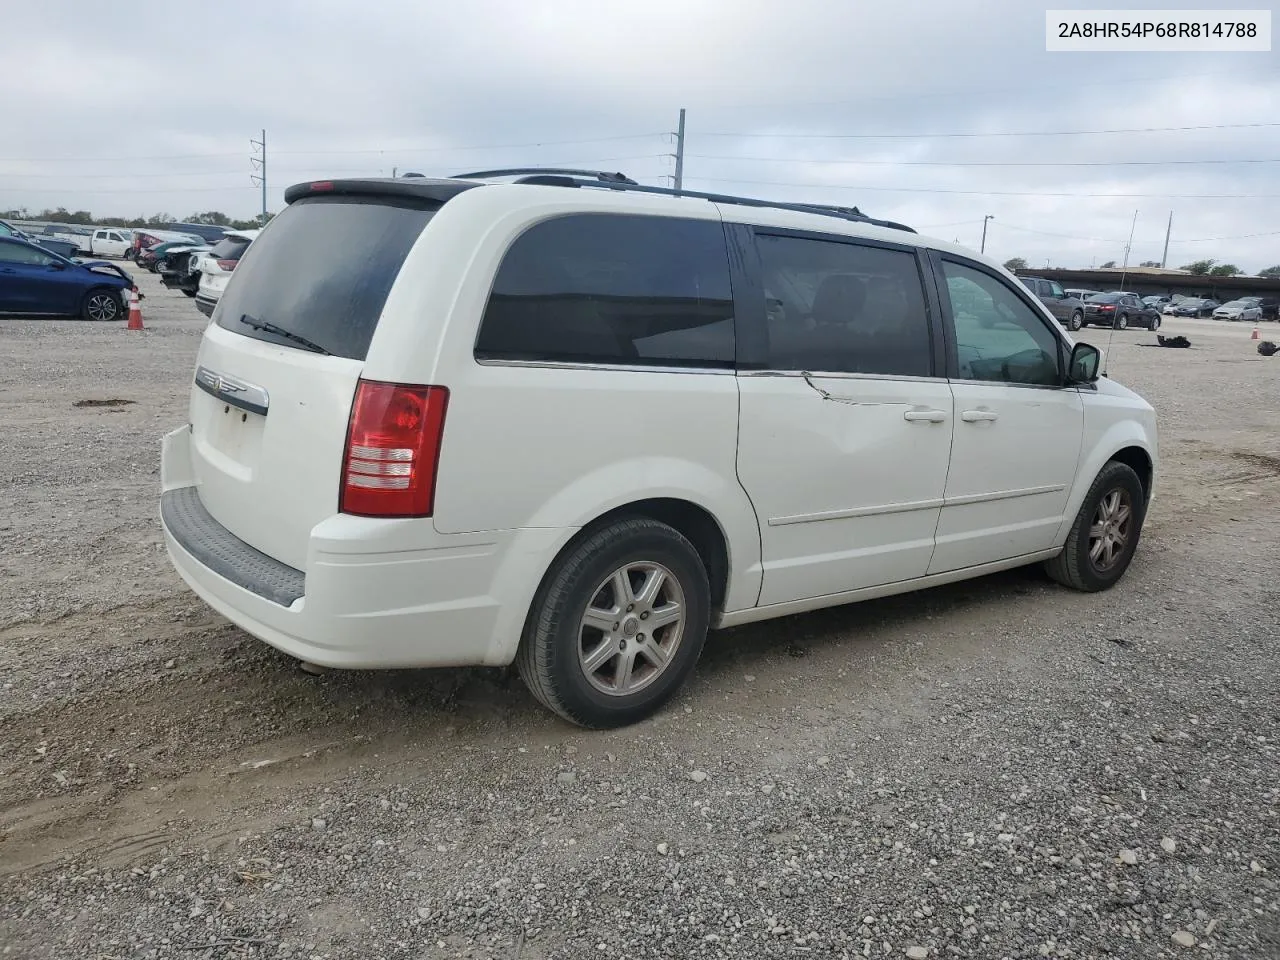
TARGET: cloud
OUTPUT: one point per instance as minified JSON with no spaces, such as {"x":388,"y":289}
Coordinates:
{"x":128,"y":112}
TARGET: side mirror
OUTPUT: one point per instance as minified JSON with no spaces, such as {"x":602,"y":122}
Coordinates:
{"x":57,"y":265}
{"x":1085,"y":362}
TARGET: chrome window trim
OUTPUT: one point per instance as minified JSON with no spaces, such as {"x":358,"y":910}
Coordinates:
{"x":831,"y":375}
{"x":604,"y":367}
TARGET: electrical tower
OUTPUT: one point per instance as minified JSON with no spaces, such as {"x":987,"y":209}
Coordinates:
{"x":258,"y":161}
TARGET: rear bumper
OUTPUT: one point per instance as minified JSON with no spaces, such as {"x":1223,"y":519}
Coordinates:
{"x":364,"y":601}
{"x":205,"y":305}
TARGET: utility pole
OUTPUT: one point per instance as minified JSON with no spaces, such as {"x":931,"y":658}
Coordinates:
{"x":1164,"y":257}
{"x":679,"y":177}
{"x":983,"y":248}
{"x":393,"y":172}
{"x":259,"y":162}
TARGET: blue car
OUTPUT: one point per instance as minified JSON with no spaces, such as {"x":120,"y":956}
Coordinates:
{"x":35,"y":281}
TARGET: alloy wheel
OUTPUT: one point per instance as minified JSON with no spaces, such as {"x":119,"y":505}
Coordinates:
{"x":631,"y":628}
{"x":1112,"y":526}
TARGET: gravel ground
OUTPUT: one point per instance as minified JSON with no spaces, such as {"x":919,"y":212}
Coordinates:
{"x":997,"y":769}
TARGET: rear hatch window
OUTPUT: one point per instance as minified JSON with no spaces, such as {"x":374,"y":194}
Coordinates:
{"x":322,"y":271}
{"x":229,"y":248}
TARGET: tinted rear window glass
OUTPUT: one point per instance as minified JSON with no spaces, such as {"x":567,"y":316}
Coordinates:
{"x":229,"y":248}
{"x":840,"y":307}
{"x":617,"y":289}
{"x":322,"y":270}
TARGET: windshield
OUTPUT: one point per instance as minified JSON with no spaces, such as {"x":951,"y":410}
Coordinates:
{"x":322,"y":270}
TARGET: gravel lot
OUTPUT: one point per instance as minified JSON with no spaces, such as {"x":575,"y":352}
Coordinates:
{"x":996,"y":769}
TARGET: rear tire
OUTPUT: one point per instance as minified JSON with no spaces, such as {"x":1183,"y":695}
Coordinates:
{"x":1103,"y":537}
{"x":101,"y":305}
{"x":1077,"y":320}
{"x":589,"y":651}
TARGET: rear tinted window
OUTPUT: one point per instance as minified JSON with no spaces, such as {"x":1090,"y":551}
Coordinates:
{"x":228,"y":248}
{"x":322,"y":270}
{"x":616,"y":289}
{"x":843,"y":307}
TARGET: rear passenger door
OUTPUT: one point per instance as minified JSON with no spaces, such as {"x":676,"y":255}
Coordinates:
{"x":845,"y":427}
{"x":1018,"y":430}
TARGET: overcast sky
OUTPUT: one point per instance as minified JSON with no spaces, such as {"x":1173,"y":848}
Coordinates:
{"x":138,"y":109}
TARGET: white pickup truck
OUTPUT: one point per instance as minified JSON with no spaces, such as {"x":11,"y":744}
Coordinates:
{"x":110,"y":242}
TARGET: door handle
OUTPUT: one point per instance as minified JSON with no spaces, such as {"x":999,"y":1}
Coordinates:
{"x":976,"y":416}
{"x":928,"y":416}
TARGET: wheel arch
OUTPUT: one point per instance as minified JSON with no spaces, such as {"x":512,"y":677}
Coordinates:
{"x":693,"y":521}
{"x":1126,"y":442}
{"x":116,"y":292}
{"x":1140,"y":461}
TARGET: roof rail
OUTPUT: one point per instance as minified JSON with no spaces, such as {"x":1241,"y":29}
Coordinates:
{"x":544,"y":175}
{"x":558,"y":177}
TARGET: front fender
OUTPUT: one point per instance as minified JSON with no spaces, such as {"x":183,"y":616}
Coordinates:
{"x":1097,"y":452}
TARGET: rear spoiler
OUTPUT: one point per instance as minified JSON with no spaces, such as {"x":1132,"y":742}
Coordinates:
{"x":419,"y":188}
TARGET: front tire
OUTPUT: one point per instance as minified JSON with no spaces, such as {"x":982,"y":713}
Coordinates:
{"x":1105,"y":533}
{"x":1154,"y":324}
{"x":617,"y":625}
{"x":100,"y":306}
{"x":1122,"y":322}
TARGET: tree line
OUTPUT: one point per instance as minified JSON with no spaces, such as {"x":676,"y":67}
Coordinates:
{"x":214,"y":218}
{"x":1197,"y":268}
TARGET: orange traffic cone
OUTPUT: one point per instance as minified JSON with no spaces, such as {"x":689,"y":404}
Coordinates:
{"x":1255,"y":334}
{"x":135,"y":311}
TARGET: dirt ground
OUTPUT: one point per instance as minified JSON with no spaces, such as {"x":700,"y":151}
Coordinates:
{"x":1000,"y":768}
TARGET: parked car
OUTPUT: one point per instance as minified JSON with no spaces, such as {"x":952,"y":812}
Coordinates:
{"x":153,"y":258}
{"x":1119,"y":310}
{"x":1195,"y":307}
{"x":1238,"y":310}
{"x":1068,"y":310}
{"x":110,"y":242}
{"x":1157,"y":302}
{"x":394,"y":459}
{"x":215,"y":267}
{"x":144,"y":240}
{"x":35,"y":281}
{"x":62,"y":248}
{"x":204,"y":231}
{"x":181,"y":270}
{"x":1081,"y":294}
{"x":1269,"y":306}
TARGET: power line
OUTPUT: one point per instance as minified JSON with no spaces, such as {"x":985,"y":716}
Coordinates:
{"x":1067,"y":236}
{"x":1110,"y":82}
{"x":291,"y":171}
{"x":976,"y":163}
{"x":992,"y":193}
{"x":317,"y":153}
{"x":1021,"y":133}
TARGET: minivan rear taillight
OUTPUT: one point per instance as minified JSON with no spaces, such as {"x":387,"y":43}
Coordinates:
{"x":393,"y":450}
{"x":228,"y":265}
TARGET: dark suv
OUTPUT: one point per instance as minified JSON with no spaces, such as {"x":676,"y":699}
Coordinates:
{"x":1068,"y":309}
{"x":1270,"y":306}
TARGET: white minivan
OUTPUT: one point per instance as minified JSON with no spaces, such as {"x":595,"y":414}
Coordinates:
{"x":575,"y":423}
